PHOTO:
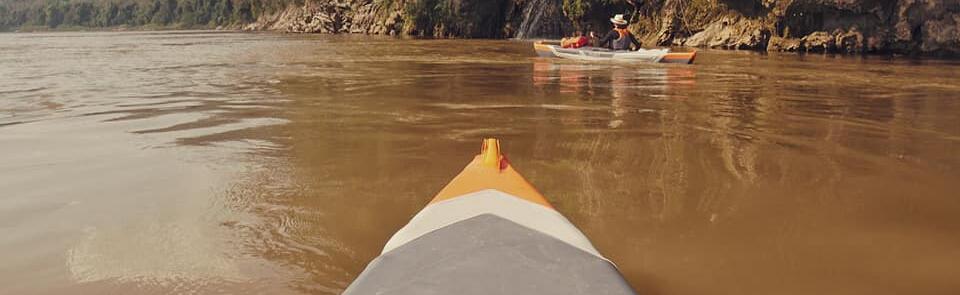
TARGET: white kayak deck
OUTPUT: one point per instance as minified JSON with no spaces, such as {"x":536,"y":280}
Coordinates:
{"x":603,"y":54}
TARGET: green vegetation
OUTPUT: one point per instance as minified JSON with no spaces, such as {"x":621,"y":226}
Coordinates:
{"x":426,"y":16}
{"x":577,"y":9}
{"x":445,"y":18}
{"x":583,"y":12}
{"x":454,"y":18}
{"x":111,"y":13}
{"x":423,"y":17}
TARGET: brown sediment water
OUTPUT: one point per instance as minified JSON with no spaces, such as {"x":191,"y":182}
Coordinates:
{"x":178,"y":162}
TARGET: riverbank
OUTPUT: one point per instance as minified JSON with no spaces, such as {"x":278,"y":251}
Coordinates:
{"x":821,"y":26}
{"x":910,"y":27}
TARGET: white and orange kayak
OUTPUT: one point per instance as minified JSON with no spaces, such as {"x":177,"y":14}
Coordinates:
{"x":601,"y":54}
{"x":489,"y":232}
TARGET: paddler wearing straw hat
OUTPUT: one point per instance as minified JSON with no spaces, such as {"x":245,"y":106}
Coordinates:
{"x":619,"y":38}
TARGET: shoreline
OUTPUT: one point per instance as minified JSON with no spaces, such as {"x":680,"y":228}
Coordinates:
{"x":235,"y":29}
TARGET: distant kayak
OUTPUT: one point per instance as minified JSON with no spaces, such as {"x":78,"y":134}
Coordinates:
{"x":489,"y":232}
{"x":603,"y":54}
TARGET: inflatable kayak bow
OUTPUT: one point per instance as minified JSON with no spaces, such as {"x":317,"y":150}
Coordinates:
{"x":489,"y":232}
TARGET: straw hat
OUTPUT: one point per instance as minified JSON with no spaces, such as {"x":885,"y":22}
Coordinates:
{"x":618,"y":19}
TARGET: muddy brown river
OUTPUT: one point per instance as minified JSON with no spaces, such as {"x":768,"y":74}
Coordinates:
{"x":210,"y":162}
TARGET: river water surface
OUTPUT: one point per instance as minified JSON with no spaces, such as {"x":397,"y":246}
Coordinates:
{"x":208,"y":162}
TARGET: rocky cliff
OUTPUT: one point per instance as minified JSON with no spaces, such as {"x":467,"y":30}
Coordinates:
{"x":434,"y":18}
{"x":852,"y":26}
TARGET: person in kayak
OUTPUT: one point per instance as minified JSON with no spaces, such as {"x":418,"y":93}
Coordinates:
{"x":619,"y":38}
{"x":578,"y":40}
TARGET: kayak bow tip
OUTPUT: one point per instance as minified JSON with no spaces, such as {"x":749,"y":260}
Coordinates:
{"x":490,"y":154}
{"x":490,"y":170}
